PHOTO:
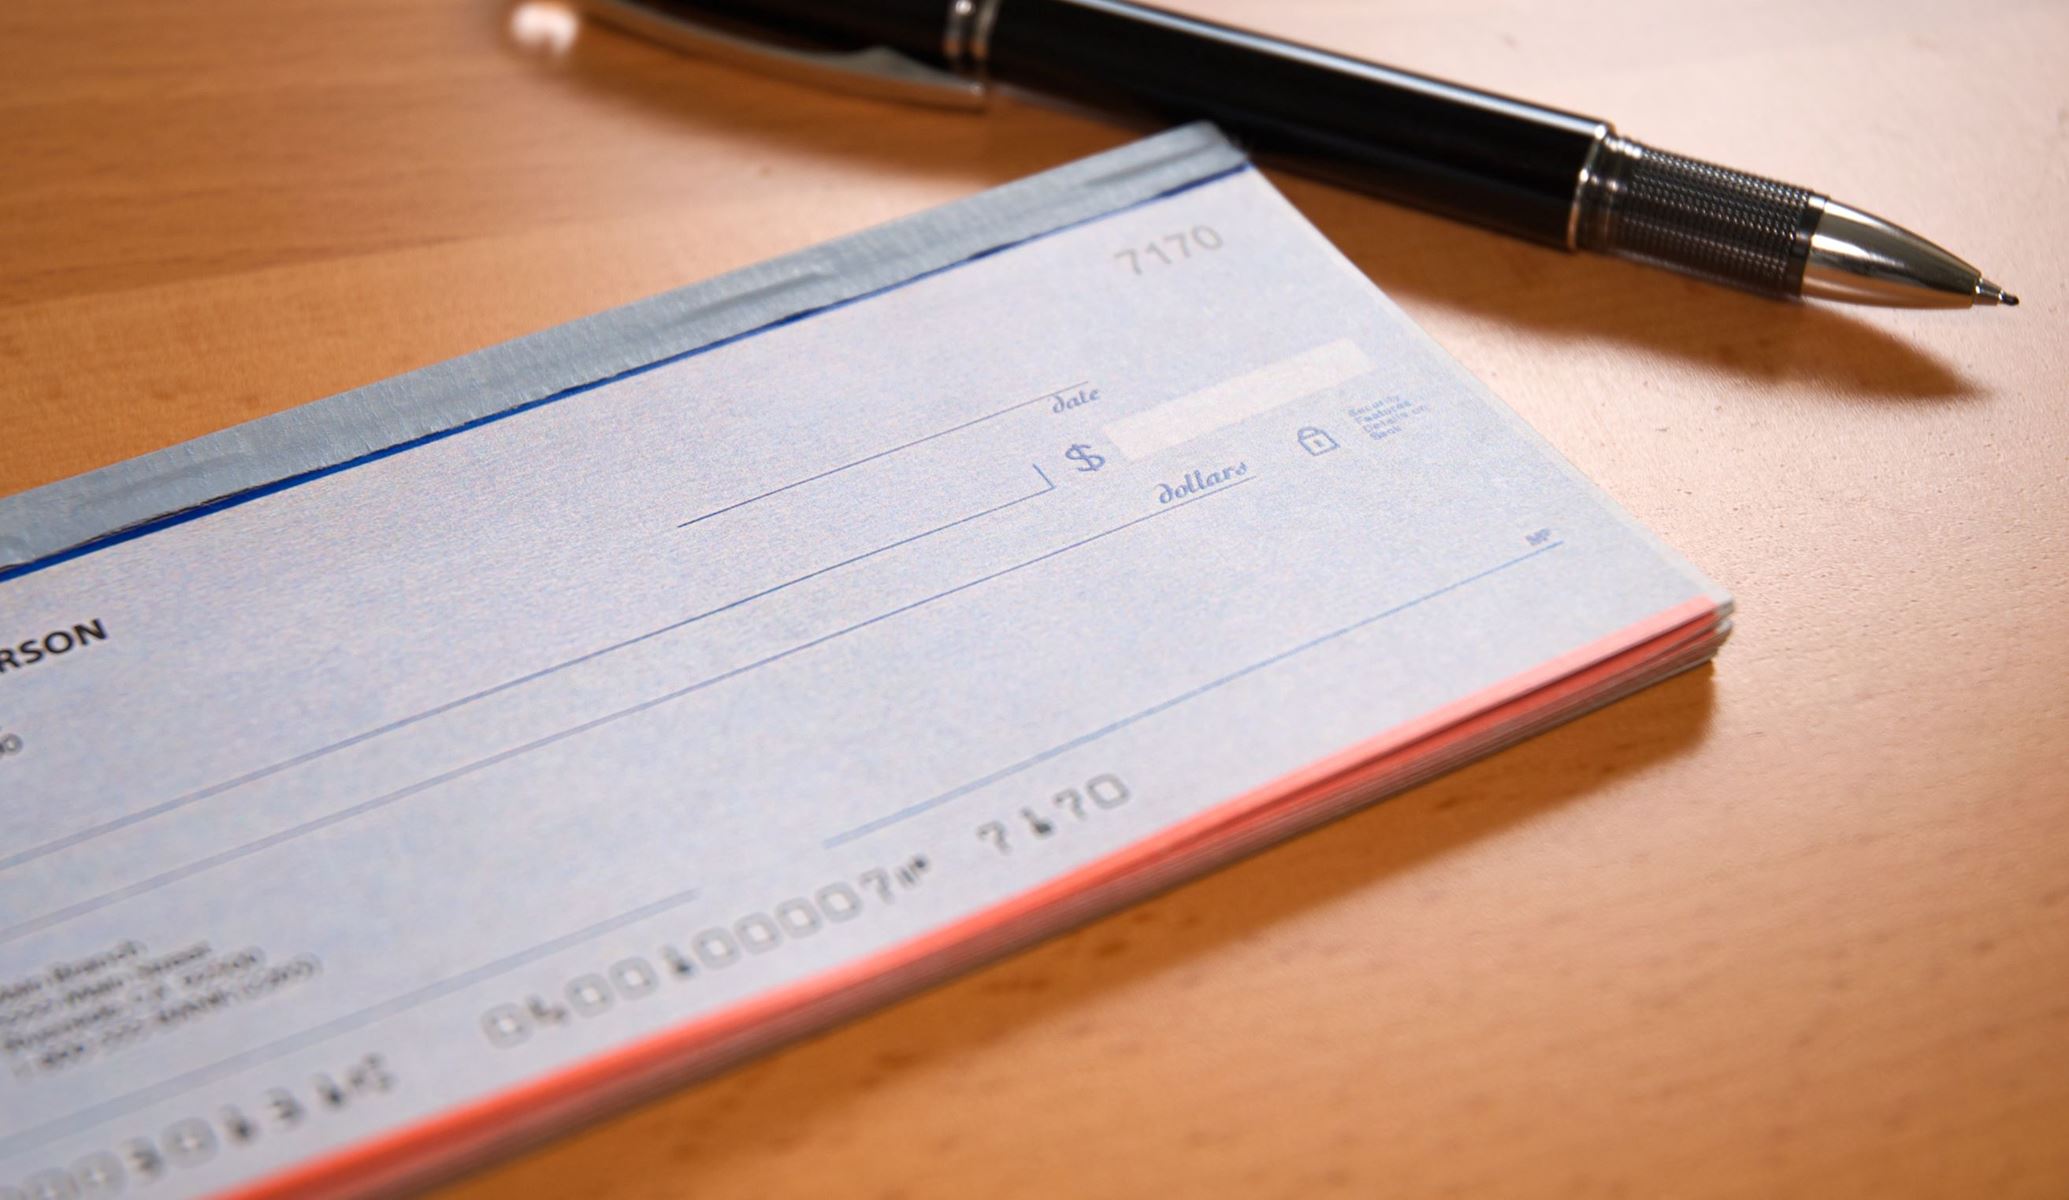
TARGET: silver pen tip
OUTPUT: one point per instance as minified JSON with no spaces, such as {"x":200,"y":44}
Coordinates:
{"x":1989,"y":293}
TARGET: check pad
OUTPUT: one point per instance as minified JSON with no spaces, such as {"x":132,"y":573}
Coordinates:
{"x":422,"y":771}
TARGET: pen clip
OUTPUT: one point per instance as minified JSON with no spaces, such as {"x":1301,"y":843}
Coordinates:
{"x":876,"y":71}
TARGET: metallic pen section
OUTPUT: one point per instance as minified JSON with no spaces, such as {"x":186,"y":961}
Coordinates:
{"x":1696,"y":217}
{"x":966,"y":39}
{"x":1861,"y":258}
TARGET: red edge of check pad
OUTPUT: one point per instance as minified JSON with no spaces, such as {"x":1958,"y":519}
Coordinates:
{"x":469,"y":1135}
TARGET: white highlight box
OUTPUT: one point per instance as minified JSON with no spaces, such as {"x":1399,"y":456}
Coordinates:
{"x":1260,"y":391}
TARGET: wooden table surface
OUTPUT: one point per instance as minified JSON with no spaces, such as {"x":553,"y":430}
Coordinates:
{"x":1794,"y":925}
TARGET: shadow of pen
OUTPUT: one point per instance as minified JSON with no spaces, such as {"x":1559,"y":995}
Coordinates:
{"x":1419,"y":258}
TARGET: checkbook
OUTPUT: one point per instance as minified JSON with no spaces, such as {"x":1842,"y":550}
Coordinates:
{"x":410,"y":775}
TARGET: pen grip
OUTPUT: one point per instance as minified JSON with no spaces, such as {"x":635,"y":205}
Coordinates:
{"x":1712,"y":222}
{"x":1464,"y":153}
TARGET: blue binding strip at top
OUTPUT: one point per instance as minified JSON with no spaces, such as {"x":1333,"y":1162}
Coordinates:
{"x":74,"y":516}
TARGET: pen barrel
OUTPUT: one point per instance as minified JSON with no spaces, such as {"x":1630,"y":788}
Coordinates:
{"x":913,"y":26}
{"x":1696,"y":217}
{"x":1464,"y":153}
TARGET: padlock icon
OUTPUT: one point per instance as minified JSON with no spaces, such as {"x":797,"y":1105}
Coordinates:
{"x":1315,"y":440}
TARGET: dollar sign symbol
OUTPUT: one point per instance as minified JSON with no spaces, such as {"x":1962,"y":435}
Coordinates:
{"x":1082,"y":455}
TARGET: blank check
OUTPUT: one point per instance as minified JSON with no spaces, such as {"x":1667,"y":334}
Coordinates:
{"x":358,"y":828}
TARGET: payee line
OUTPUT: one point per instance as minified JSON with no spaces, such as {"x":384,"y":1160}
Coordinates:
{"x":307,"y":756}
{"x":234,"y":853}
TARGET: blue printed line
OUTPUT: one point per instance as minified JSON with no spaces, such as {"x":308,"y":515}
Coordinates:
{"x":280,"y":485}
{"x":961,"y":790}
{"x":1048,"y":395}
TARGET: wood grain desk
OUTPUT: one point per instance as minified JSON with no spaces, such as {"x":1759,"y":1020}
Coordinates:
{"x":1797,"y":925}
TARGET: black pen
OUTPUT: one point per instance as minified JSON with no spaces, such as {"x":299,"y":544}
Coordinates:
{"x":1524,"y":169}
